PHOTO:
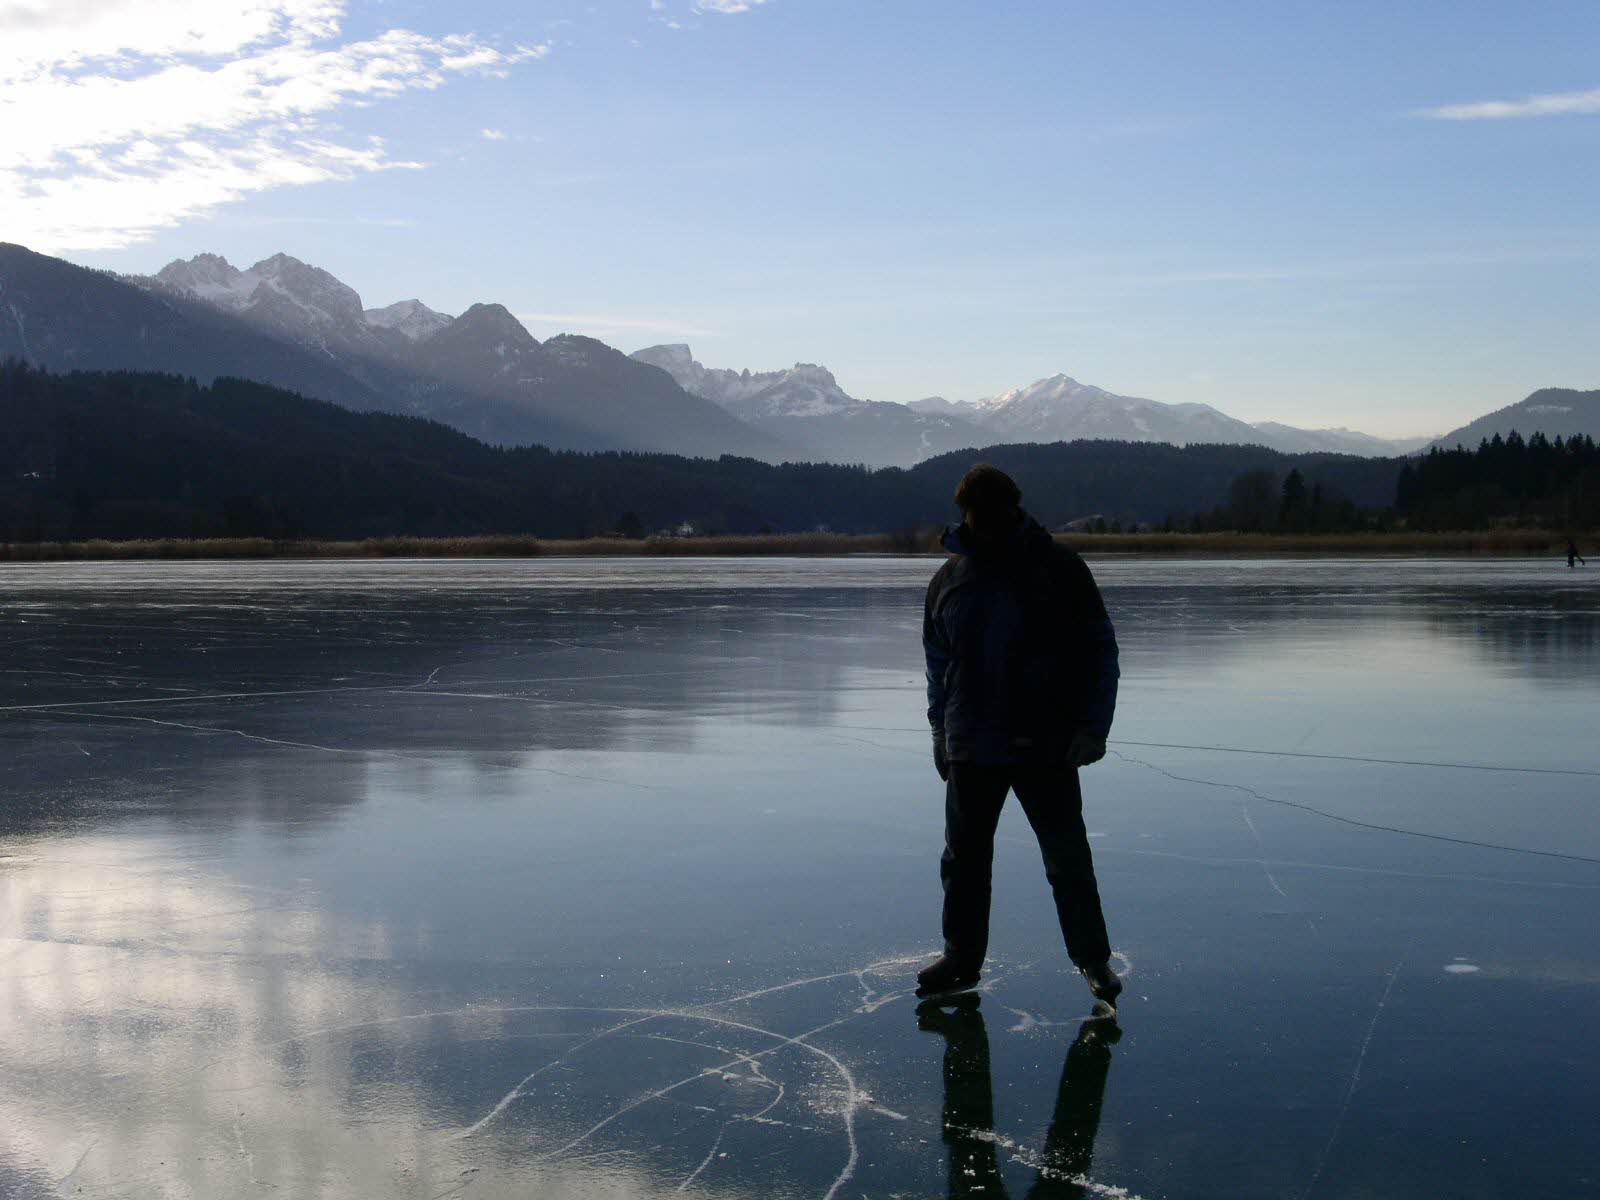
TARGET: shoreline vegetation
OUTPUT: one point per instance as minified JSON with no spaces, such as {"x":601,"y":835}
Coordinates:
{"x":1512,"y":543}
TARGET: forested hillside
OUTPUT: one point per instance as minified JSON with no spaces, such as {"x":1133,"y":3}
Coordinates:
{"x":1554,"y":484}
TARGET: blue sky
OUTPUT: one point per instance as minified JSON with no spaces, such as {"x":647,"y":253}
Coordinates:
{"x":1309,"y":213}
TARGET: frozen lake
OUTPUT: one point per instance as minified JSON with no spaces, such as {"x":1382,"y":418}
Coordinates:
{"x":609,"y":878}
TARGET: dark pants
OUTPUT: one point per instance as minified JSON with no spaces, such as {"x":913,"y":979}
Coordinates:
{"x":1054,"y":806}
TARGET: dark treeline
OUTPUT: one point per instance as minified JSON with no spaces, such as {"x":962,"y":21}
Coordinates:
{"x":1133,"y":484}
{"x":140,"y":455}
{"x":1534,"y":481}
{"x":1268,"y":501}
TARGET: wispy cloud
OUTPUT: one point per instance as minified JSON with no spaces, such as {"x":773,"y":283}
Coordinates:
{"x":493,"y":135}
{"x":123,"y":117}
{"x":727,"y":6}
{"x":1551,"y":104}
{"x":602,"y":325}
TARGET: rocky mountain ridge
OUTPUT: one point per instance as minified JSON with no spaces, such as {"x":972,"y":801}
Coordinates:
{"x":291,"y":324}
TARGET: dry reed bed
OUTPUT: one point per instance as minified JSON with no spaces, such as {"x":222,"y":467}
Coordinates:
{"x":490,"y":546}
{"x":1504,"y":542}
{"x":1514,"y":543}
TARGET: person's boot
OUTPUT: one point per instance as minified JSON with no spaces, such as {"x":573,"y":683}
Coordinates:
{"x":945,"y":976}
{"x":1103,"y":982}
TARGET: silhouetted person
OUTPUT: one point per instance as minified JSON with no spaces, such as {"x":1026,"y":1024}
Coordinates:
{"x":1022,"y":685}
{"x":969,"y":1104}
{"x":1573,"y":557}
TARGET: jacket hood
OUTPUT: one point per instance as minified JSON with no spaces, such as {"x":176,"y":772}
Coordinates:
{"x":1029,"y":535}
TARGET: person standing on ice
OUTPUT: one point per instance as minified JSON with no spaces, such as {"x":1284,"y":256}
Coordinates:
{"x":1022,"y":685}
{"x":1573,"y":557}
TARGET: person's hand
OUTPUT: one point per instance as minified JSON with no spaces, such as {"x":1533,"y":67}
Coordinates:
{"x":1086,"y":747}
{"x":941,"y":764}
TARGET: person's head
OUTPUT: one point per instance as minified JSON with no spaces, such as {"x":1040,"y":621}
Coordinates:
{"x":990,"y":500}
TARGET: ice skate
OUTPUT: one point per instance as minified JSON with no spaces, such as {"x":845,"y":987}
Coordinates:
{"x":1103,"y":982}
{"x":946,"y":976}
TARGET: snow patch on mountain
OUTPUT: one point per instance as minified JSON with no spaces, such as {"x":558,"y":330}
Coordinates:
{"x":1059,"y":408}
{"x":411,"y":319}
{"x":803,"y":391}
{"x":211,"y":278}
{"x":805,"y":405}
{"x":938,"y":405}
{"x":719,"y":385}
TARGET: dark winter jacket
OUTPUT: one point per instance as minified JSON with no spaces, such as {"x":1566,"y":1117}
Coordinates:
{"x":1021,"y":655}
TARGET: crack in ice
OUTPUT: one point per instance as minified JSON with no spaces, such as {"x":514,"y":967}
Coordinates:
{"x":1343,"y":820}
{"x":1355,"y":1078}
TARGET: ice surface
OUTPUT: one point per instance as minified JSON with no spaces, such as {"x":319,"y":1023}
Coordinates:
{"x":579,"y":878}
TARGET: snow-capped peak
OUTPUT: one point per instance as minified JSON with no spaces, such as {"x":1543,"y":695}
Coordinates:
{"x":412,"y":319}
{"x":211,"y":278}
{"x":1050,"y":391}
{"x":804,"y":390}
{"x":940,"y":406}
{"x":1060,"y":408}
{"x":320,"y":296}
{"x":280,"y":291}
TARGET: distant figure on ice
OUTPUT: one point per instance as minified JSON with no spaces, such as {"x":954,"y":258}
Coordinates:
{"x":974,"y":1167}
{"x":1022,"y":684}
{"x":1573,"y":557}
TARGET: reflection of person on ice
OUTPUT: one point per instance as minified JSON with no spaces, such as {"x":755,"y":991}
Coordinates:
{"x":969,"y":1137}
{"x":1573,"y":557}
{"x":1022,"y":683}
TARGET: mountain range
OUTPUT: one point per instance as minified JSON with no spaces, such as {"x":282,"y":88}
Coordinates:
{"x":805,"y":405}
{"x":481,"y":372}
{"x":294,"y":326}
{"x":1059,"y":408}
{"x":288,"y":323}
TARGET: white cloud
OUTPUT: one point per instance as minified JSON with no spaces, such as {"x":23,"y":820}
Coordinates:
{"x":727,"y":6}
{"x":126,"y":116}
{"x":493,"y":135}
{"x":53,"y":34}
{"x":1552,"y":104}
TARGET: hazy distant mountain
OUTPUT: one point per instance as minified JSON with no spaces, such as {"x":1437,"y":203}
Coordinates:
{"x":1062,"y":409}
{"x":967,"y":410}
{"x":1552,"y":411}
{"x":806,"y":408}
{"x":721,"y":386}
{"x":1337,"y":441}
{"x":583,"y":383}
{"x":483,"y":373}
